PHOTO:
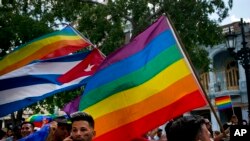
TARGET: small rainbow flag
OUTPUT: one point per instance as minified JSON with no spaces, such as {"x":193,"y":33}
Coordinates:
{"x":223,"y":102}
{"x":39,"y":119}
{"x":55,"y":44}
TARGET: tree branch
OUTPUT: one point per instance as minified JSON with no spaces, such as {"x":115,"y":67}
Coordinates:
{"x":154,"y":14}
{"x":93,"y":2}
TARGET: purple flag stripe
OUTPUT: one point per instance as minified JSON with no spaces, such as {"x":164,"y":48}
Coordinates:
{"x":72,"y":106}
{"x":140,"y":41}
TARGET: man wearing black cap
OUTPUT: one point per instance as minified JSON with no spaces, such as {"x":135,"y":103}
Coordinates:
{"x":59,"y":129}
{"x":63,"y":129}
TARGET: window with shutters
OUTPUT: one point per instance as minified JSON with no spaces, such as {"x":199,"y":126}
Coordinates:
{"x":204,"y":80}
{"x":232,"y":76}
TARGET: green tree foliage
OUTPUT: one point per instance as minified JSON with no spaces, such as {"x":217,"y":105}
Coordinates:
{"x":57,"y":100}
{"x":20,"y":23}
{"x":104,"y":24}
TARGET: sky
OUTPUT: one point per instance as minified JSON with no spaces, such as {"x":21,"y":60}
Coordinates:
{"x":240,"y":10}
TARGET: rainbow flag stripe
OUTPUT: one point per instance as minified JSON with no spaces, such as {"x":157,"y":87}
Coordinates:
{"x":223,"y":102}
{"x":56,"y":44}
{"x":141,"y":86}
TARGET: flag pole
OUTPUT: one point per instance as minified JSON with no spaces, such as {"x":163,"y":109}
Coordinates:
{"x":233,"y":109}
{"x":232,"y":105}
{"x":191,"y":65}
{"x":76,"y":31}
{"x":101,"y":52}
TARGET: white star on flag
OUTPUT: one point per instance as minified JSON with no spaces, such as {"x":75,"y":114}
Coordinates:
{"x":89,"y":68}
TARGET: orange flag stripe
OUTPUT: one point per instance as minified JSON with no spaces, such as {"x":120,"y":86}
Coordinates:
{"x":154,"y":119}
{"x":41,"y":53}
{"x":157,"y":101}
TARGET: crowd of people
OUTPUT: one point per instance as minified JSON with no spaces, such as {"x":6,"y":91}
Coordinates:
{"x":80,"y":127}
{"x":193,"y":128}
{"x":198,"y":128}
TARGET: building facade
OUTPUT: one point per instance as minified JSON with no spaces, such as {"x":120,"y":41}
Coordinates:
{"x":227,"y":77}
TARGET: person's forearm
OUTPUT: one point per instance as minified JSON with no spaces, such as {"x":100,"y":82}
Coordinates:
{"x":221,"y":136}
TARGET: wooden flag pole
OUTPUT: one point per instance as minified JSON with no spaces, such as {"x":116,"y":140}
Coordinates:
{"x":191,"y":65}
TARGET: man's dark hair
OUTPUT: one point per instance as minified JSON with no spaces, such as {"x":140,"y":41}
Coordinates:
{"x":26,"y":122}
{"x":185,"y":128}
{"x":167,"y":127}
{"x":78,"y":116}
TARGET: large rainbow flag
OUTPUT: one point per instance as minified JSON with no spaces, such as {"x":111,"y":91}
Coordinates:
{"x":56,"y":44}
{"x":141,"y":86}
{"x":223,"y":102}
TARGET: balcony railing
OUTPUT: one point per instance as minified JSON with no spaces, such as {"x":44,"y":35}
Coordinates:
{"x":224,"y":86}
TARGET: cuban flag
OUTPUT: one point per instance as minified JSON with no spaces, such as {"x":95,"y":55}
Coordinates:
{"x":38,"y":80}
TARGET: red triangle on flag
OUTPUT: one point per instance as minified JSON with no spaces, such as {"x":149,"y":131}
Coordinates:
{"x":86,"y":67}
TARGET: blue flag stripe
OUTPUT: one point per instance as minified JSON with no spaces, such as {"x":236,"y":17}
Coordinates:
{"x":15,"y":105}
{"x":29,"y":80}
{"x":139,"y":60}
{"x":225,"y":106}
